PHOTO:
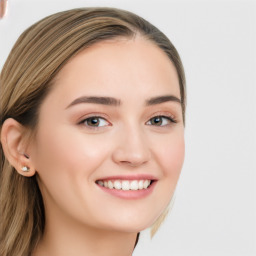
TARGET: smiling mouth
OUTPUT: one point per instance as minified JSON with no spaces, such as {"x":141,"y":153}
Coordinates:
{"x":125,"y":185}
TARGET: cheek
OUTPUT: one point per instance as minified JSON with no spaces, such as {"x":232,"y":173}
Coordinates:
{"x":171,"y":156}
{"x":168,"y":153}
{"x":66,"y":161}
{"x":68,"y":148}
{"x":68,"y":157}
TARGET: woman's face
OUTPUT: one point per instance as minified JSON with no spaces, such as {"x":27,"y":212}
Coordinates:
{"x":113,"y":118}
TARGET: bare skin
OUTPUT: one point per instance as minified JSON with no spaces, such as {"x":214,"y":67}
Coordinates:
{"x":3,"y":8}
{"x":79,"y":142}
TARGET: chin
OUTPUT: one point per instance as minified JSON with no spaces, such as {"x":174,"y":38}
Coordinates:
{"x":131,"y":224}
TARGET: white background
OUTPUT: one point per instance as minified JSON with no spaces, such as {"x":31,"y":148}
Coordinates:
{"x":215,"y":209}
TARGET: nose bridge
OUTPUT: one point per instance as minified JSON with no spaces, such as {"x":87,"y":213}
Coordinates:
{"x":132,"y":147}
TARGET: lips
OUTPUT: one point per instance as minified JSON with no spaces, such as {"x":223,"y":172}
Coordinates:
{"x":128,"y":187}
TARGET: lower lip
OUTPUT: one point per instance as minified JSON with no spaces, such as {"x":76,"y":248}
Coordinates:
{"x":130,"y":194}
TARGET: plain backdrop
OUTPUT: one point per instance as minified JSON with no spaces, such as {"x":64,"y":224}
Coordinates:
{"x":215,"y":207}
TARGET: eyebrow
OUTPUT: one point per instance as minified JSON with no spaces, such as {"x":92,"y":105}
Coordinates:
{"x":162,"y":99}
{"x":109,"y":101}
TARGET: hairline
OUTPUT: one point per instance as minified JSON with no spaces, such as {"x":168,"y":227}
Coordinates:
{"x":119,"y":38}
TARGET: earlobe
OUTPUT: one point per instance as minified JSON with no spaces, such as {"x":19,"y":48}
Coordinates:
{"x":14,"y":147}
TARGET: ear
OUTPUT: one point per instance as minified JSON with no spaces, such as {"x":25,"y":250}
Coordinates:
{"x":14,"y":146}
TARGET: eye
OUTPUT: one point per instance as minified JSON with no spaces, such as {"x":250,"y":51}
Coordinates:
{"x":161,"y":121}
{"x":95,"y":121}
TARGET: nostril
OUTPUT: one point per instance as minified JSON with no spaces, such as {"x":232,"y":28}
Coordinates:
{"x":132,"y":164}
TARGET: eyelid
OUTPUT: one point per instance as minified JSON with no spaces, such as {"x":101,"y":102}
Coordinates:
{"x":168,"y":115}
{"x":100,"y":116}
{"x":162,"y":114}
{"x":170,"y":121}
{"x":97,"y":115}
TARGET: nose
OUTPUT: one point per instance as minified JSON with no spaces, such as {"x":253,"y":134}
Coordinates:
{"x":132,"y":148}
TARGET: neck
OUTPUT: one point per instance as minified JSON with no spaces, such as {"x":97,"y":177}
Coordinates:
{"x":62,"y":238}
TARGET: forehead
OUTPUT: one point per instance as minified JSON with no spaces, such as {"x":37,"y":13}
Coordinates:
{"x":118,"y":68}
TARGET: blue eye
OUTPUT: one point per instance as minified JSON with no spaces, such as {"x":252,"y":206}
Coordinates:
{"x":95,"y":121}
{"x":161,"y":121}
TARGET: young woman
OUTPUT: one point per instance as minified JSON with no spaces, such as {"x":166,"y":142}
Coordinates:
{"x":92,"y":134}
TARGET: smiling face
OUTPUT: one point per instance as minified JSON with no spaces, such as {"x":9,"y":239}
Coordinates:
{"x":113,"y":117}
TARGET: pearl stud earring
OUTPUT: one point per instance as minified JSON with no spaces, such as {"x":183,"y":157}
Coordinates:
{"x":25,"y":169}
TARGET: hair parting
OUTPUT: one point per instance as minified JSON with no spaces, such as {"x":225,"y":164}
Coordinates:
{"x":26,"y":79}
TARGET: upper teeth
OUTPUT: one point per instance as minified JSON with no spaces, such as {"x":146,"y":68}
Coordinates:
{"x":124,"y":184}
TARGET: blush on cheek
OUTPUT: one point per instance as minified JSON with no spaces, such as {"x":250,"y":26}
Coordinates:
{"x":173,"y":158}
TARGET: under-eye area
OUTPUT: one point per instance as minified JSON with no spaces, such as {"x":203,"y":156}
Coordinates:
{"x":109,"y":144}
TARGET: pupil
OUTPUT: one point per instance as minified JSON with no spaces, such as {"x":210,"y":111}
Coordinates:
{"x":94,"y":121}
{"x":157,"y":121}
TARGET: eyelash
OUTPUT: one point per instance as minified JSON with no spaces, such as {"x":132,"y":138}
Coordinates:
{"x":171,"y":119}
{"x":91,"y":118}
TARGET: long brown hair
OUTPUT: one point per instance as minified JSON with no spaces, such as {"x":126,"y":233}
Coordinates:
{"x":26,"y":78}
